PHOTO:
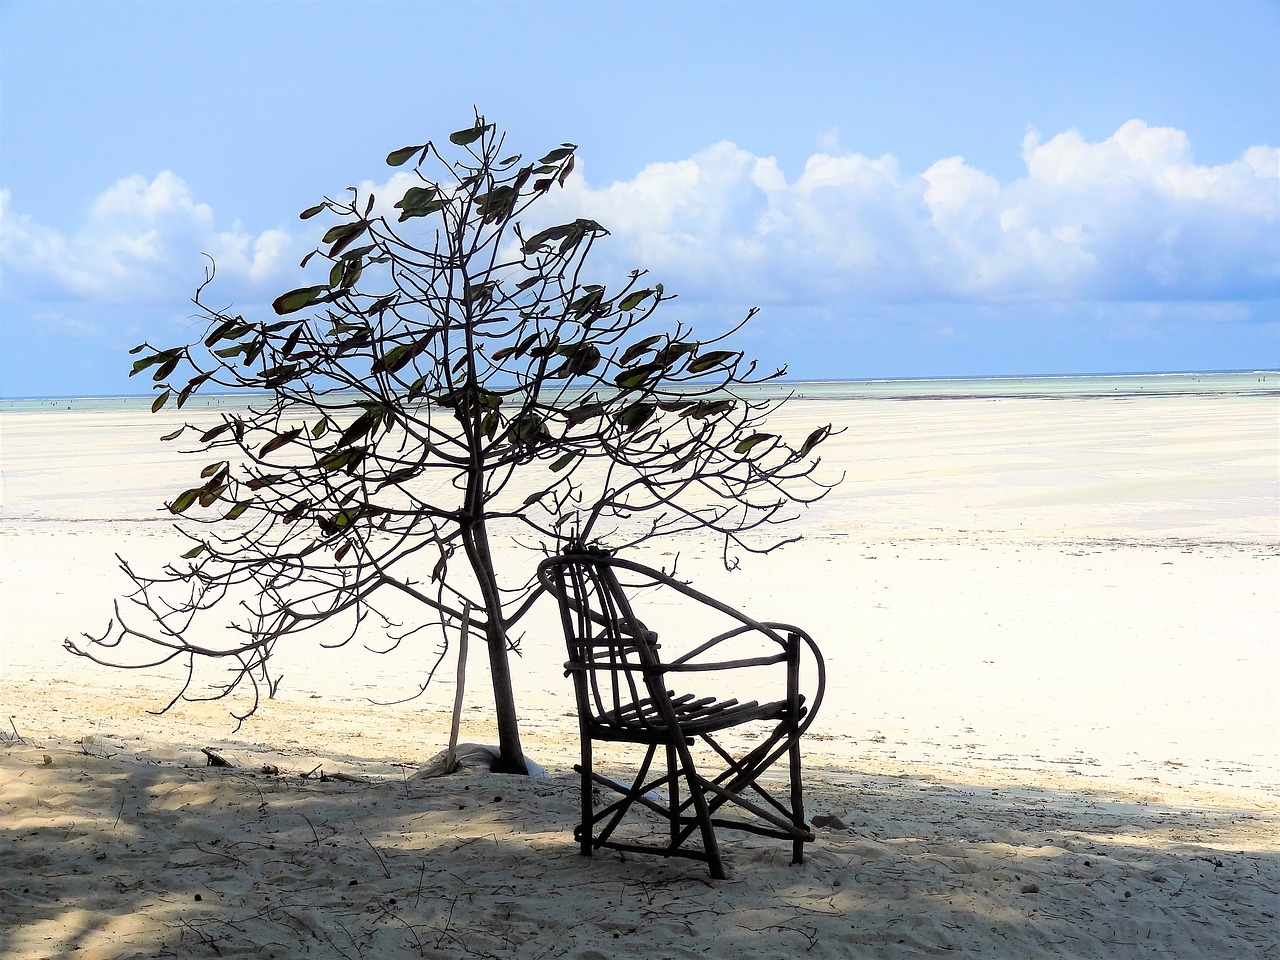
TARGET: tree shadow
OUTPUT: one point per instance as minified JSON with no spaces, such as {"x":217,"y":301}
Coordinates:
{"x":112,"y":857}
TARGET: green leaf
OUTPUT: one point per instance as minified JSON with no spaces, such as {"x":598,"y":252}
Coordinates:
{"x":310,"y":212}
{"x":630,"y":379}
{"x":215,"y":432}
{"x":673,"y":352}
{"x":398,"y":476}
{"x":166,"y":368}
{"x":211,"y":469}
{"x":362,"y":425}
{"x":394,"y":359}
{"x":583,"y":413}
{"x":535,"y":497}
{"x":419,"y":202}
{"x":745,"y":446}
{"x":159,"y":401}
{"x":636,"y":416}
{"x":399,"y":357}
{"x":714,"y":358}
{"x":586,"y":303}
{"x":585,"y":359}
{"x":499,"y":355}
{"x":138,"y":349}
{"x":163,"y":357}
{"x":280,"y":440}
{"x":340,"y":458}
{"x":210,"y":496}
{"x":299,"y":299}
{"x":191,"y":388}
{"x":638,"y":348}
{"x":704,"y":409}
{"x":480,"y":291}
{"x":497,"y":204}
{"x":558,"y":154}
{"x":342,"y":235}
{"x":546,"y":236}
{"x":463,"y":137}
{"x":238,"y":510}
{"x":193,"y":552}
{"x":528,"y":428}
{"x":398,"y":158}
{"x":277,"y":375}
{"x":563,"y":462}
{"x":173,"y":436}
{"x":185,"y":500}
{"x":634,"y":300}
{"x":222,"y":330}
{"x":814,"y":439}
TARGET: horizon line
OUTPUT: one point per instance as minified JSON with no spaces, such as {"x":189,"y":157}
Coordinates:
{"x":777,"y":382}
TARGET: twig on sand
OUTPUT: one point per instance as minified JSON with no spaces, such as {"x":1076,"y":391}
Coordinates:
{"x":422,"y":869}
{"x":17,"y":737}
{"x":453,"y":902}
{"x":312,"y":826}
{"x":385,"y":872}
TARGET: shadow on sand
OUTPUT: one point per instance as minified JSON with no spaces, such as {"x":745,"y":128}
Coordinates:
{"x":114,"y":857}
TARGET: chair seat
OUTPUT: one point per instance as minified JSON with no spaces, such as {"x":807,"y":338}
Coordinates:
{"x":641,"y":722}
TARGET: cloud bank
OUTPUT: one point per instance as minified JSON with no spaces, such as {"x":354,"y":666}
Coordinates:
{"x":1132,"y":217}
{"x":141,"y":242}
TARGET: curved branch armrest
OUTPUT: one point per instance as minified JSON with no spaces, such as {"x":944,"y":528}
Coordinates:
{"x":788,"y":636}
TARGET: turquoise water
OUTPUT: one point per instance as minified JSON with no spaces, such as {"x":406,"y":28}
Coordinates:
{"x":1261,"y":383}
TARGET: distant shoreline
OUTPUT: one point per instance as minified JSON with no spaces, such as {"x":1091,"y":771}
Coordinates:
{"x":1253,"y":383}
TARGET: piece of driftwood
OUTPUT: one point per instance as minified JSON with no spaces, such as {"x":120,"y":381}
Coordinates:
{"x":624,"y":694}
{"x":215,"y":759}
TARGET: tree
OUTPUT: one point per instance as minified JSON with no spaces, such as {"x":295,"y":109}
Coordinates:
{"x":450,"y":379}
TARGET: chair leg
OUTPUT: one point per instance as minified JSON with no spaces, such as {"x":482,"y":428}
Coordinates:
{"x":673,"y":802}
{"x":702,"y":811}
{"x":797,"y":800}
{"x":588,"y":812}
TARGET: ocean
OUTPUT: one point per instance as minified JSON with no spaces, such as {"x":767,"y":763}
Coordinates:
{"x":1257,"y":383}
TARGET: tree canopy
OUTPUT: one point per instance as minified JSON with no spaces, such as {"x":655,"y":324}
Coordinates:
{"x":452,"y":376}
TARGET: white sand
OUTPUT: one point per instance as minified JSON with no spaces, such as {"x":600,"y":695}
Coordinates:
{"x":1053,"y":726}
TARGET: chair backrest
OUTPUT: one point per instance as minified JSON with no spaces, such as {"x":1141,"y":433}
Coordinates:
{"x":613,"y":656}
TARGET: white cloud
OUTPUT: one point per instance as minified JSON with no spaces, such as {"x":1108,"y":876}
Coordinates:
{"x":141,"y":241}
{"x":1130,"y":217}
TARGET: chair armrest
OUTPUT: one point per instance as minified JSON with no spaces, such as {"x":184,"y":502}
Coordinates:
{"x":791,"y":639}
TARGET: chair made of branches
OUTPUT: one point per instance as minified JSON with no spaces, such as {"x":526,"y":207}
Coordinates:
{"x":627,"y":693}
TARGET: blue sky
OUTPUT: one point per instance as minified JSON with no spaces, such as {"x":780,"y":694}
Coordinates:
{"x":905,"y":189}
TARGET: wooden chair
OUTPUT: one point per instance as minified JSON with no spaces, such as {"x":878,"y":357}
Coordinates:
{"x":625,"y":693}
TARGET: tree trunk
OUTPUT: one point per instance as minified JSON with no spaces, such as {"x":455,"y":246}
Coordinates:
{"x":510,"y":753}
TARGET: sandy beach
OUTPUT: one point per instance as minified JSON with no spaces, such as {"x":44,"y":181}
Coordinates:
{"x":1053,"y":725}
